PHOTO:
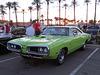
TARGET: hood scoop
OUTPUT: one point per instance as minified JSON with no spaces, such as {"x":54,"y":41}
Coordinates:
{"x":43,"y":36}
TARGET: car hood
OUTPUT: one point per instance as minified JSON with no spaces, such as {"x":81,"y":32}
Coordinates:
{"x":40,"y":40}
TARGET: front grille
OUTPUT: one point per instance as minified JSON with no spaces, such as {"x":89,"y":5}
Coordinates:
{"x":35,"y":50}
{"x":14,"y":47}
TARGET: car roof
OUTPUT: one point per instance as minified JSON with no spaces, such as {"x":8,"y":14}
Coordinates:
{"x":64,"y":26}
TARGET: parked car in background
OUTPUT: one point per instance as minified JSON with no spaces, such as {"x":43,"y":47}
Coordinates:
{"x":72,"y":25}
{"x":54,"y":43}
{"x":1,"y":31}
{"x":4,"y":38}
{"x":93,"y":29}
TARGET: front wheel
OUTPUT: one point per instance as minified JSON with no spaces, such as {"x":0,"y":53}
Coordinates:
{"x":61,"y":57}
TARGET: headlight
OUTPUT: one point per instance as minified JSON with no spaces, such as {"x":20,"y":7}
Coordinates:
{"x":43,"y":50}
{"x":12,"y":46}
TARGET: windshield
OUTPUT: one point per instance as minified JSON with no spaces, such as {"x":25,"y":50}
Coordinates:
{"x":56,"y":31}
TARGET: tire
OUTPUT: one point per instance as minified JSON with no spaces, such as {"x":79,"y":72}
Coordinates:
{"x":61,"y":57}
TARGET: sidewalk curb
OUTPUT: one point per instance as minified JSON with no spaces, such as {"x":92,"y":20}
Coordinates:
{"x":93,"y":45}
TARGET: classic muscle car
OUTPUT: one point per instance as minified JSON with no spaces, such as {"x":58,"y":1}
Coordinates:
{"x":54,"y":43}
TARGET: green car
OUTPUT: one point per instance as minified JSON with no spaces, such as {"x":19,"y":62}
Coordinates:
{"x":54,"y":43}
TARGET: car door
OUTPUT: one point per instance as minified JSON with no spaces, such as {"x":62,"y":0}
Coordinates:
{"x":75,"y":38}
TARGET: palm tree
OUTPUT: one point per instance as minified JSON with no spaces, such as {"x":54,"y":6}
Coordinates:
{"x":87,"y":2}
{"x":23,"y":11}
{"x":3,"y":13}
{"x":51,"y":21}
{"x":37,"y":3}
{"x":15,"y":5}
{"x":65,"y":5}
{"x":2,"y":7}
{"x":48,"y":10}
{"x":2,"y":10}
{"x":95,"y":12}
{"x":74,"y":3}
{"x":59,"y":9}
{"x":9,"y":5}
{"x":56,"y":20}
{"x":42,"y":18}
{"x":30,"y":8}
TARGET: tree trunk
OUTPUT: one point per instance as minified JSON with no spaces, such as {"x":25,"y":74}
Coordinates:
{"x":37,"y":11}
{"x":30,"y":15}
{"x":87,"y":14}
{"x":47,"y":13}
{"x":9,"y":15}
{"x":16,"y":16}
{"x":23,"y":18}
{"x":65,"y":12}
{"x":74,"y":13}
{"x":59,"y":11}
{"x":95,"y":12}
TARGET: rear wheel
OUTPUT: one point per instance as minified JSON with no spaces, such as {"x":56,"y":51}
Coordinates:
{"x":61,"y":57}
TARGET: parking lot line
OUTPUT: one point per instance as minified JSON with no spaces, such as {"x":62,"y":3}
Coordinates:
{"x":76,"y":70}
{"x":9,"y":59}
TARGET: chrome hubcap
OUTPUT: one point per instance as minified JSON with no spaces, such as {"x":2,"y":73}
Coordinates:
{"x":61,"y":58}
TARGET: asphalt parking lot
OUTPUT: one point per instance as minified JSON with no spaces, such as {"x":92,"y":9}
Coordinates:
{"x":77,"y":63}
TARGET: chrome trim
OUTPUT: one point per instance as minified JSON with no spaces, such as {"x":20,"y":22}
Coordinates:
{"x":31,"y":56}
{"x":37,"y":53}
{"x":29,"y":52}
{"x":16,"y":50}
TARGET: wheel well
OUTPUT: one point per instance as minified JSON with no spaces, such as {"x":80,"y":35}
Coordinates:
{"x":86,"y":41}
{"x":66,"y":49}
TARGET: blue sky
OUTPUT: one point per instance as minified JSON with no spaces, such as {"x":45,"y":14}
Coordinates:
{"x":53,"y":11}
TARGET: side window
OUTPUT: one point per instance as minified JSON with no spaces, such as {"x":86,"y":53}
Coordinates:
{"x":71,"y":33}
{"x":75,"y":31}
